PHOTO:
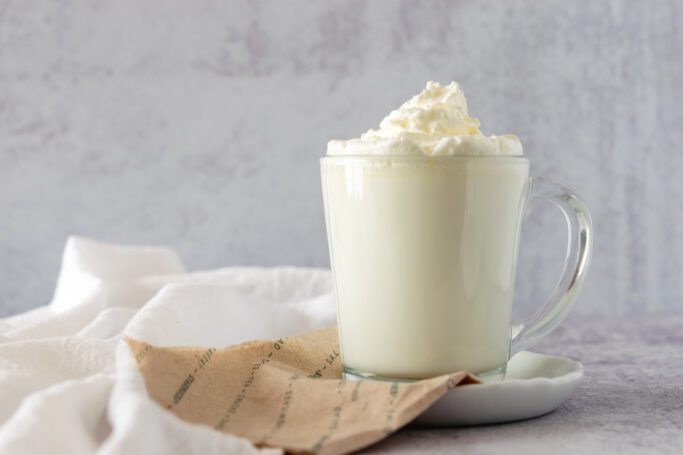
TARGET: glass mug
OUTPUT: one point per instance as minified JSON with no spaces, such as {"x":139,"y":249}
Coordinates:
{"x":423,"y":253}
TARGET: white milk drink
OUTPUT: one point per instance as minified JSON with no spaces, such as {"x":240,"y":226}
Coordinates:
{"x":423,"y":219}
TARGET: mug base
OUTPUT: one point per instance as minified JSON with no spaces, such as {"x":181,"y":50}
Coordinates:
{"x":351,"y":374}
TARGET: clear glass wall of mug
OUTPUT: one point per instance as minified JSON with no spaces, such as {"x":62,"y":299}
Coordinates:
{"x":423,"y":253}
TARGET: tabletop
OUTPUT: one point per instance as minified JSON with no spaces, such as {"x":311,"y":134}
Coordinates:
{"x":630,"y":401}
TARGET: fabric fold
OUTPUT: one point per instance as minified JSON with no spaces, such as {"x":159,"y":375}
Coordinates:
{"x":68,"y":351}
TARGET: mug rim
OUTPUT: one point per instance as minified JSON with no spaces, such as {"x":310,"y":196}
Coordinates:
{"x":367,"y":157}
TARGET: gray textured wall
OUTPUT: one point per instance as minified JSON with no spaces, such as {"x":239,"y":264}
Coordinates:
{"x":198,"y":124}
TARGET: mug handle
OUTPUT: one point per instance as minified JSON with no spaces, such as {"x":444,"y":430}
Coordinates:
{"x":577,"y":260}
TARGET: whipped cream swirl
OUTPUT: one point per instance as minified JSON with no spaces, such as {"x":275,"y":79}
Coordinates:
{"x":433,"y":123}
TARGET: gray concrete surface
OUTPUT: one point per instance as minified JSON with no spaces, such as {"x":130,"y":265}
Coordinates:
{"x":198,"y":125}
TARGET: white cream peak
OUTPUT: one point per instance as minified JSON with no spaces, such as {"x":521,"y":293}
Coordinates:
{"x":434,"y":123}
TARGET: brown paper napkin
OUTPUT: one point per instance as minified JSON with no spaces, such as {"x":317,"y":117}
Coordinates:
{"x":284,"y":393}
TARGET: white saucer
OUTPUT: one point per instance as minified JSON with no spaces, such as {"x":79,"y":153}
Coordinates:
{"x":535,"y":384}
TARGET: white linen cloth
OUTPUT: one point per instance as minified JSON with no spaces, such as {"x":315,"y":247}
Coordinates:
{"x":68,"y":383}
